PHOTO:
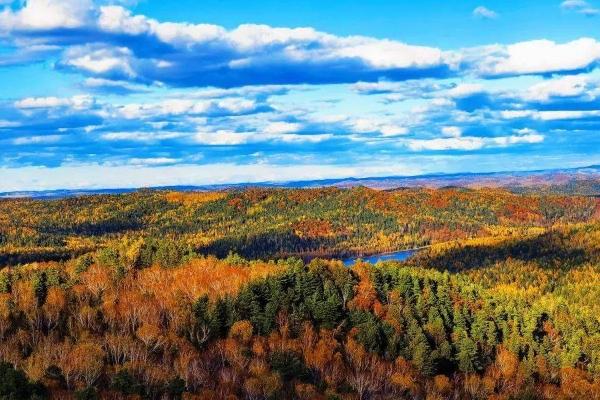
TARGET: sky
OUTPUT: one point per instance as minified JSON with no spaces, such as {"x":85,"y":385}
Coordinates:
{"x":125,"y":93}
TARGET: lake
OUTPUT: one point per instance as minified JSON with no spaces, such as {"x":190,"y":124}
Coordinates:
{"x":395,"y":256}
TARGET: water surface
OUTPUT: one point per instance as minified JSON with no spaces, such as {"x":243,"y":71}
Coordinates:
{"x":395,"y":256}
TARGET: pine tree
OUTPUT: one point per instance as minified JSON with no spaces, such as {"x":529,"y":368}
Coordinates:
{"x":466,"y":352}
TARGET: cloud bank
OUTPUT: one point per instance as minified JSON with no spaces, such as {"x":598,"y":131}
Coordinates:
{"x":156,"y":102}
{"x":110,"y":43}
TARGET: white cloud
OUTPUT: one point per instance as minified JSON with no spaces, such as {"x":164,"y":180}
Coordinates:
{"x":222,"y":137}
{"x":42,"y":102}
{"x":373,"y":125}
{"x":257,"y":44}
{"x":470,"y":143}
{"x":110,"y":84}
{"x":364,"y":125}
{"x":298,"y":43}
{"x":200,"y":55}
{"x":119,"y":19}
{"x":152,"y":161}
{"x":525,"y":131}
{"x":377,"y":87}
{"x":47,"y":14}
{"x":465,"y":89}
{"x":402,"y":91}
{"x":580,"y":6}
{"x":76,"y":102}
{"x":26,"y":140}
{"x":330,"y":118}
{"x":305,"y":138}
{"x":536,"y":57}
{"x":101,"y":60}
{"x":282,"y":127}
{"x":484,"y":13}
{"x":565,"y":115}
{"x":205,"y":54}
{"x":252,"y":37}
{"x":460,"y":143}
{"x":385,"y":54}
{"x":392,"y":130}
{"x":236,"y":105}
{"x":515,"y":114}
{"x":8,"y":124}
{"x":549,"y":115}
{"x":190,"y":107}
{"x":514,"y":139}
{"x":567,"y":86}
{"x":230,"y":138}
{"x":452,"y":131}
{"x":140,"y":136}
{"x":573,"y":4}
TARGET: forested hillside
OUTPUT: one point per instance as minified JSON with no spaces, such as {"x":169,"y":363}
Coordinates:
{"x":266,"y":223}
{"x":516,"y":327}
{"x":162,"y":295}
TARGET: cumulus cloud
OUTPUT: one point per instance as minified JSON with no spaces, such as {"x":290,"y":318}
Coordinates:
{"x":561,"y":92}
{"x":535,"y":57}
{"x":89,"y":125}
{"x":112,"y":43}
{"x":203,"y":54}
{"x":47,"y":15}
{"x":108,"y":62}
{"x":484,"y":13}
{"x":181,"y":54}
{"x":567,"y":86}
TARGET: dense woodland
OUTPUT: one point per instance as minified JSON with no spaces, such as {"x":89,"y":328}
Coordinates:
{"x":157,"y":295}
{"x":276,"y":223}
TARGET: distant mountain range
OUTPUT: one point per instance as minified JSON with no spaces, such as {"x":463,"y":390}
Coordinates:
{"x":582,"y":181}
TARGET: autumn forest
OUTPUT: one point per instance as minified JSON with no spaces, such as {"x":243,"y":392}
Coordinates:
{"x":242,"y":294}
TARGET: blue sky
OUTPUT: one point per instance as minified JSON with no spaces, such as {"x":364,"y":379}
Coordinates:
{"x":126,"y":94}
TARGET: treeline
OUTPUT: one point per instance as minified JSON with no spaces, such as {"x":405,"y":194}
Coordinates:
{"x":141,"y":319}
{"x":267,"y":223}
